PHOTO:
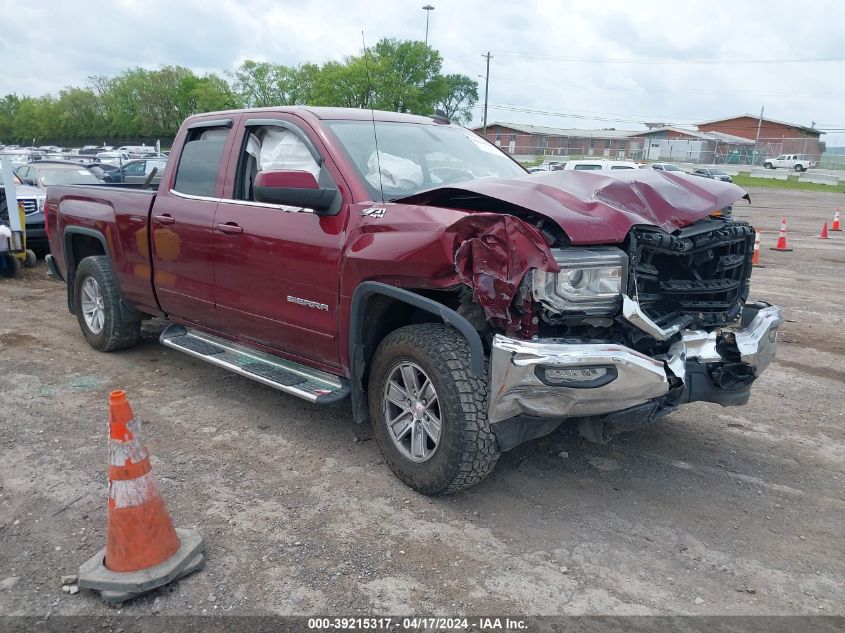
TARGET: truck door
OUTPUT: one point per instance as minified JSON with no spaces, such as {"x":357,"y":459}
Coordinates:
{"x":181,"y":225}
{"x":276,"y":267}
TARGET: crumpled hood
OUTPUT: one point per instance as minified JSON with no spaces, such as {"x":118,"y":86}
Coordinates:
{"x":593,"y":207}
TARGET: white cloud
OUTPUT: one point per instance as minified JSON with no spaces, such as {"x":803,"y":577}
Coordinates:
{"x":50,"y":44}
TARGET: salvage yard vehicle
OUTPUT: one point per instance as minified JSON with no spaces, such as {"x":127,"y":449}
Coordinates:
{"x":599,"y":165}
{"x":412,"y":267}
{"x":797,"y":162}
{"x":137,"y":171}
{"x":663,"y":167}
{"x":32,"y":201}
{"x":710,"y":172}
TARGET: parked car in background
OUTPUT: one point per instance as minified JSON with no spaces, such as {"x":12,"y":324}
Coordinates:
{"x":49,"y":172}
{"x":101,"y":169}
{"x":711,"y":172}
{"x":32,"y":200}
{"x":599,"y":165}
{"x":138,"y":151}
{"x":798,"y":162}
{"x":91,"y":150}
{"x":114,"y":157}
{"x":664,"y":167}
{"x":136,"y":171}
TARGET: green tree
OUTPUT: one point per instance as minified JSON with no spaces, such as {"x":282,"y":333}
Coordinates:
{"x":406,"y":76}
{"x":459,"y":95}
{"x":342,"y":84}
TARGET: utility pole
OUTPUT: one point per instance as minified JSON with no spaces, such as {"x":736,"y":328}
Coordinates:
{"x":486,"y":89}
{"x":757,"y":138}
{"x":428,"y":9}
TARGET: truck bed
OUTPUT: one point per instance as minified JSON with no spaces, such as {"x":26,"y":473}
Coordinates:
{"x":117,"y":217}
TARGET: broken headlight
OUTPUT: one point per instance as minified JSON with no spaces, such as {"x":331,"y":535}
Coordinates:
{"x":591,"y":281}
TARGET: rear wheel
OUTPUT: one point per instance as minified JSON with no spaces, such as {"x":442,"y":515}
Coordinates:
{"x":97,"y":304}
{"x":10,"y":266}
{"x":799,"y":168}
{"x":429,"y":412}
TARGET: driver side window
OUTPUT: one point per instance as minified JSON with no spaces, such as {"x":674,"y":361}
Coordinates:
{"x":271,"y":148}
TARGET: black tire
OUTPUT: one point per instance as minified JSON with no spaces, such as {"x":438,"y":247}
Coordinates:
{"x":767,"y":166}
{"x":116,"y":333}
{"x":31,"y":258}
{"x":467,"y":450}
{"x":11,"y":266}
{"x":799,"y":168}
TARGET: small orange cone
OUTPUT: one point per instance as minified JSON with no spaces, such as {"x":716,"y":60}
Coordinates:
{"x":755,"y":258}
{"x":781,"y":245}
{"x":835,"y":226}
{"x":823,"y":235}
{"x":143,"y":549}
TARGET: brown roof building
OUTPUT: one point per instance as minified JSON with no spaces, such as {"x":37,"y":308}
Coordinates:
{"x":775,"y":137}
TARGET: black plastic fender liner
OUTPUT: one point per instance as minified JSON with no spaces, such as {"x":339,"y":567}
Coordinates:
{"x":358,"y":353}
{"x":512,"y":432}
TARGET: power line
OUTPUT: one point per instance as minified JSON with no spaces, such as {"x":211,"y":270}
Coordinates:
{"x":610,"y":117}
{"x":670,"y":90}
{"x":616,"y":60}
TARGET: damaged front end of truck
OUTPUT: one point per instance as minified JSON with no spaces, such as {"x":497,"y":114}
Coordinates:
{"x":608,"y":301}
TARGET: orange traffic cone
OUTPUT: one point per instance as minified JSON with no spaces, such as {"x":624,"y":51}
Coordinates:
{"x":835,"y":226}
{"x":781,"y":245}
{"x":755,"y":258}
{"x":823,"y":235}
{"x":143,"y":549}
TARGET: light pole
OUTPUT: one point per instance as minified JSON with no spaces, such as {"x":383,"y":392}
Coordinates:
{"x":428,"y":9}
{"x":488,"y":56}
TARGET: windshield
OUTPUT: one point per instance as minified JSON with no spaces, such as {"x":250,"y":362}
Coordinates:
{"x":413,"y":157}
{"x":65,"y":176}
{"x":672,"y":168}
{"x":717,"y":172}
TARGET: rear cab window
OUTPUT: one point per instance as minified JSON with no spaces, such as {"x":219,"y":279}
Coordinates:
{"x":199,"y":163}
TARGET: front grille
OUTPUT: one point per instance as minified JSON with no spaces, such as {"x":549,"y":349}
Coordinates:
{"x":699,"y":274}
{"x":30,"y":205}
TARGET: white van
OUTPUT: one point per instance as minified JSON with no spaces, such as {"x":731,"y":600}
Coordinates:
{"x":599,"y":165}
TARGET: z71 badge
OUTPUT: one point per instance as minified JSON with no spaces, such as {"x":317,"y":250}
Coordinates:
{"x":374,"y":212}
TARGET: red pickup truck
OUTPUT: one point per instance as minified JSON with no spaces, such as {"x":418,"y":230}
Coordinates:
{"x":463,"y":305}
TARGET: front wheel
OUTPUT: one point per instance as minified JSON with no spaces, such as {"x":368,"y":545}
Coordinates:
{"x":97,"y":303}
{"x":767,"y":166}
{"x":429,"y":412}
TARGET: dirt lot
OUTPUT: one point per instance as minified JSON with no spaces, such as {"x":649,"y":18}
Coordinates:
{"x":714,"y":511}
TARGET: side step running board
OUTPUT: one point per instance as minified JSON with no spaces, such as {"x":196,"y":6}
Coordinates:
{"x":309,"y":384}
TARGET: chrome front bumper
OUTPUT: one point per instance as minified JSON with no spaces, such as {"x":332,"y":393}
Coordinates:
{"x":516,"y":367}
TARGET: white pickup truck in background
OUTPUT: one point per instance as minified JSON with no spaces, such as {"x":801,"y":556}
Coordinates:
{"x":798,"y":162}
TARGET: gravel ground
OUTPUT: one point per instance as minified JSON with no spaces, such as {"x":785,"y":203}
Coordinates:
{"x":713,"y":511}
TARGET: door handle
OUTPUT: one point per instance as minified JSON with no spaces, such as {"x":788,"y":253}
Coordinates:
{"x":230,"y":228}
{"x":165,"y":218}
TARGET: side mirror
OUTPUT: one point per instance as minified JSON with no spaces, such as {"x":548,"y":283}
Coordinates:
{"x":297,"y":189}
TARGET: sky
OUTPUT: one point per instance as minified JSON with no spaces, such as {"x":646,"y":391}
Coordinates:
{"x":555,"y":62}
